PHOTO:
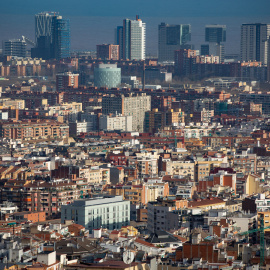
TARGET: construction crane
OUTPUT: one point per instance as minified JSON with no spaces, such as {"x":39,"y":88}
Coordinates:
{"x":29,"y":41}
{"x":261,"y":231}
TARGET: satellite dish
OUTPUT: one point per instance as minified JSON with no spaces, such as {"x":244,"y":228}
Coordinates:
{"x":128,"y":257}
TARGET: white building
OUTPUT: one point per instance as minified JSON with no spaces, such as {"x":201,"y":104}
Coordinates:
{"x":76,"y":128}
{"x":110,"y":212}
{"x":115,"y":122}
{"x":131,"y":39}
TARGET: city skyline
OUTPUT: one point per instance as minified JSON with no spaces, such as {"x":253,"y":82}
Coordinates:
{"x":92,"y":26}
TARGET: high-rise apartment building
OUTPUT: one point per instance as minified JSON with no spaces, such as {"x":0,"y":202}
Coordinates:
{"x":108,"y":52}
{"x":131,"y":39}
{"x":254,"y":42}
{"x":214,"y":34}
{"x":52,"y":34}
{"x":131,"y":104}
{"x":171,"y":38}
{"x":14,"y":47}
{"x":67,"y":80}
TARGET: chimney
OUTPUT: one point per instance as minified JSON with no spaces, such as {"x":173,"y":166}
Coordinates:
{"x":137,"y":17}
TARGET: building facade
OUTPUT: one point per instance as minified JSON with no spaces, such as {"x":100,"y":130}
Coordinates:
{"x":33,"y":129}
{"x":108,"y":52}
{"x":170,"y":38}
{"x":14,"y":47}
{"x":131,"y":39}
{"x":109,"y":212}
{"x":134,"y":105}
{"x":52,"y":34}
{"x":115,"y":122}
{"x":67,"y":80}
{"x":254,"y":42}
{"x":214,"y":35}
{"x":107,"y":75}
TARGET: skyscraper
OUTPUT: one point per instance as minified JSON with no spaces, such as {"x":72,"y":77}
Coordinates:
{"x":60,"y":37}
{"x":214,"y":34}
{"x":131,"y":39}
{"x":171,"y":38}
{"x":52,"y":34}
{"x":254,"y":42}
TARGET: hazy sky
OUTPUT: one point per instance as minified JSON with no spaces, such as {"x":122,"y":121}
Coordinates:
{"x":125,"y":8}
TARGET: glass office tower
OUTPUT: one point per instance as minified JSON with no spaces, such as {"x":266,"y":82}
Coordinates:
{"x":60,"y":38}
{"x":170,"y":38}
{"x":52,"y":34}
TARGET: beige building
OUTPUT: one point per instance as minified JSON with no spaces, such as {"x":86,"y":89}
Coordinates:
{"x":184,"y":168}
{"x":134,"y":105}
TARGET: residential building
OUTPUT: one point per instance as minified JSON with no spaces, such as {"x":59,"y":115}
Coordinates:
{"x":115,"y":122}
{"x":108,"y":52}
{"x":14,"y":47}
{"x":254,"y":42}
{"x":156,"y":120}
{"x":107,"y":75}
{"x":67,"y":80}
{"x":131,"y":39}
{"x":33,"y":129}
{"x":171,"y":38}
{"x":158,"y":210}
{"x":109,"y":212}
{"x":76,"y":128}
{"x":134,"y":105}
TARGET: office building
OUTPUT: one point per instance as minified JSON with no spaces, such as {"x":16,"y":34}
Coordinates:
{"x":254,"y":42}
{"x":115,"y":122}
{"x":131,"y":39}
{"x":134,"y":105}
{"x":52,"y":34}
{"x":109,"y":212}
{"x":14,"y":47}
{"x":214,"y":35}
{"x":107,"y":75}
{"x":67,"y":80}
{"x":43,"y":35}
{"x":171,"y":38}
{"x":60,"y":38}
{"x":108,"y":52}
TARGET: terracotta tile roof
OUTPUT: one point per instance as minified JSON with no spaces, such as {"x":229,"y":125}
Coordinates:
{"x":205,"y":202}
{"x":142,"y":242}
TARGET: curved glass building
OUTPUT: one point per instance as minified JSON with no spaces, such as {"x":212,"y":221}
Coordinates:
{"x":107,"y":75}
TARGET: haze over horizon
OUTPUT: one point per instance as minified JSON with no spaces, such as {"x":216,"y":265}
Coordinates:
{"x":93,"y":22}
